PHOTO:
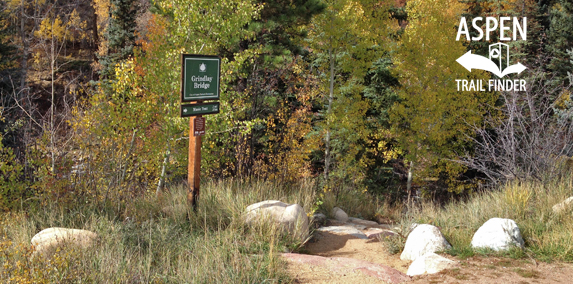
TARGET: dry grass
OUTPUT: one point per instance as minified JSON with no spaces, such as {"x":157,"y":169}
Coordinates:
{"x":548,"y":236}
{"x":140,"y":244}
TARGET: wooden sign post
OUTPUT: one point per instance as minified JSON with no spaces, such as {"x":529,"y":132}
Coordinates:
{"x":199,"y":81}
{"x":194,"y":168}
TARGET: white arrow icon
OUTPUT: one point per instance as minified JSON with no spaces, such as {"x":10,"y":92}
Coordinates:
{"x":473,"y":61}
{"x":184,"y":110}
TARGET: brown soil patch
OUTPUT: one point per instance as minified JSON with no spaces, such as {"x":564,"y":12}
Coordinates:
{"x":345,"y":268}
{"x":496,"y":270}
{"x":485,"y":270}
{"x":333,"y":245}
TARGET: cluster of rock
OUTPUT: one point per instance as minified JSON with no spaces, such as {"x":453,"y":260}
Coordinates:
{"x":421,"y":245}
{"x":424,"y":240}
{"x":293,"y":219}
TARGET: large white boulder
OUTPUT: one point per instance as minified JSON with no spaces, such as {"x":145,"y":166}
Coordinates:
{"x":54,"y":237}
{"x":290,"y":216}
{"x":498,"y":234}
{"x":560,"y":207}
{"x":424,"y":239}
{"x":430,"y":263}
{"x":339,"y":214}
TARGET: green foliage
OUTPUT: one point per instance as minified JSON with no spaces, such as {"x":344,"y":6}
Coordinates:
{"x":347,"y":42}
{"x":219,"y":26}
{"x":12,"y":188}
{"x":380,"y":84}
{"x":432,"y":121}
{"x":393,"y":244}
{"x":280,"y":29}
{"x":131,"y":124}
{"x":560,"y":38}
{"x":380,"y":91}
{"x":277,"y":94}
{"x":7,"y":50}
{"x":8,"y":74}
{"x":120,"y":35}
{"x":113,"y":143}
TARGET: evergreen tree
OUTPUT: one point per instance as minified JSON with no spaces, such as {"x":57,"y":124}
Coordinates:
{"x":347,"y":40}
{"x":269,"y":81}
{"x":280,"y":25}
{"x":560,"y":38}
{"x":120,"y":35}
{"x":7,"y":50}
{"x":8,"y":75}
{"x":380,"y":89}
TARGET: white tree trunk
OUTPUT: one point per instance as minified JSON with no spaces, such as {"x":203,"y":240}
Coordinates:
{"x":409,"y":183}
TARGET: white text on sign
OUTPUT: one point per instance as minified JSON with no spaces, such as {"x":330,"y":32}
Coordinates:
{"x":493,"y":85}
{"x":201,"y":79}
{"x":491,"y":24}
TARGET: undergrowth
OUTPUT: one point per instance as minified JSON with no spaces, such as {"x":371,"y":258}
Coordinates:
{"x":157,"y":240}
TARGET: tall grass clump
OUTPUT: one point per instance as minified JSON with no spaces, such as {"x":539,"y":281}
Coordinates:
{"x":158,"y":240}
{"x":547,"y":235}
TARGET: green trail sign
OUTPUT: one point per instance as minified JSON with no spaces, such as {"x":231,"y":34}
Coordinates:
{"x":200,"y":77}
{"x":199,"y":109}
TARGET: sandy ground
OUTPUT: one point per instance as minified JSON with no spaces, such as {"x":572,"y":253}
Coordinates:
{"x":472,"y":270}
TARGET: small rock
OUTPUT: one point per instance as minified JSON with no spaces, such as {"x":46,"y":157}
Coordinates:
{"x":291,"y":217}
{"x":423,"y":239}
{"x":339,"y":214}
{"x":498,"y":234}
{"x":344,"y":230}
{"x":430,"y":263}
{"x":53,"y":237}
{"x":560,"y":207}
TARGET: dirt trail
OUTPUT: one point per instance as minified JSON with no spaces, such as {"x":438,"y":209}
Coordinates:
{"x":472,"y":270}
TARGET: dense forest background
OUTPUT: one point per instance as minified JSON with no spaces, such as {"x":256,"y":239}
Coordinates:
{"x":356,"y":95}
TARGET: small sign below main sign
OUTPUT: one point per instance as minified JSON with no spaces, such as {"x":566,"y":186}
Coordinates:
{"x":199,"y":109}
{"x":199,"y":126}
{"x":200,"y":77}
